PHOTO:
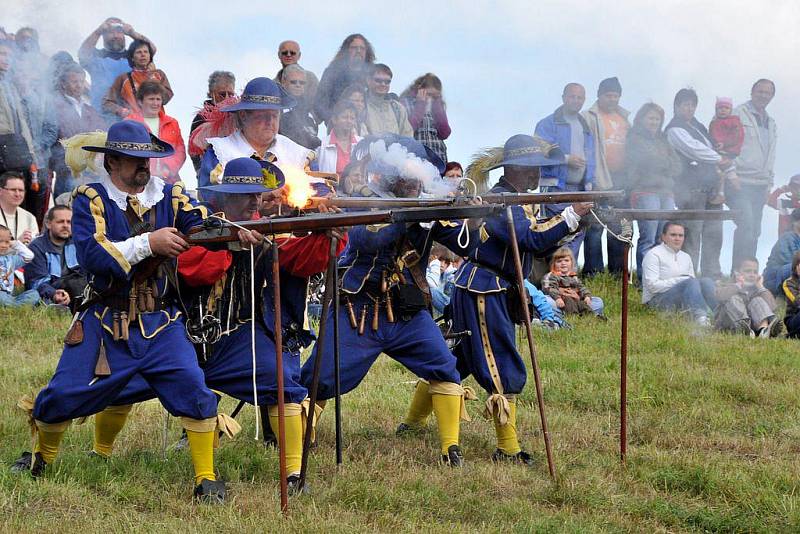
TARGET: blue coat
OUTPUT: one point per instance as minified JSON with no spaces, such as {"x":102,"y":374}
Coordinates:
{"x":46,"y":267}
{"x":490,"y":265}
{"x":373,"y":249}
{"x":555,"y":129}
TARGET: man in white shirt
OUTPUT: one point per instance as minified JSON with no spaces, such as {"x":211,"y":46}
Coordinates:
{"x":668,"y":282}
{"x":19,"y":221}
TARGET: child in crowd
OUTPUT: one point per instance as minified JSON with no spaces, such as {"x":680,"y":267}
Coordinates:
{"x":746,"y":306}
{"x":791,"y":290}
{"x":440,"y":274}
{"x":786,"y":199}
{"x":564,"y":287}
{"x":727,"y":134}
{"x":13,"y":255}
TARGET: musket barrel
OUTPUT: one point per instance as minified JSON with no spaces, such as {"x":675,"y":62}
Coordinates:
{"x":377,"y":202}
{"x":668,"y":215}
{"x":557,"y":197}
{"x":214,"y":231}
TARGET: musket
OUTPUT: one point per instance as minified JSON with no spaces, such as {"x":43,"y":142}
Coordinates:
{"x":615,"y":214}
{"x":559,"y":197}
{"x":216,"y":231}
{"x":556,"y":197}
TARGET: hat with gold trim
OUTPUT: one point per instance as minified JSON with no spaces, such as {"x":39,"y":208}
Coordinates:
{"x":131,"y":138}
{"x":248,"y":175}
{"x":262,"y":93}
{"x":528,"y":151}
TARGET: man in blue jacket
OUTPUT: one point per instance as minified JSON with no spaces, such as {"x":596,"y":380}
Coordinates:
{"x":567,"y":129}
{"x":54,"y":271}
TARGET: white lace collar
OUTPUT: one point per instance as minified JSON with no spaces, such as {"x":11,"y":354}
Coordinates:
{"x":152,"y":194}
{"x":234,"y":146}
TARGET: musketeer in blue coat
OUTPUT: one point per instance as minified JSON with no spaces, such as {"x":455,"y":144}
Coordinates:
{"x":485,"y":288}
{"x":216,"y":290}
{"x":386,"y":300}
{"x":132,"y":325}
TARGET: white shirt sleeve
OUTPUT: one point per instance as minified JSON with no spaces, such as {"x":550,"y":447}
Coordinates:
{"x":572,"y":218}
{"x":683,"y":142}
{"x":22,"y":250}
{"x":135,"y":249}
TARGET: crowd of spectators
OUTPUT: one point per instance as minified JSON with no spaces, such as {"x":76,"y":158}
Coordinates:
{"x":661,"y":164}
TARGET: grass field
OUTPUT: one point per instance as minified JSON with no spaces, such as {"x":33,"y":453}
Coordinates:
{"x":714,"y":426}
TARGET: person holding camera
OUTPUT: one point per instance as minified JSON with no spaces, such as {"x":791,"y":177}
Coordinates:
{"x":106,"y":64}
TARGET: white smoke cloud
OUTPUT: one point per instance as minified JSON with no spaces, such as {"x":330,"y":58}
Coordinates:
{"x":409,"y":165}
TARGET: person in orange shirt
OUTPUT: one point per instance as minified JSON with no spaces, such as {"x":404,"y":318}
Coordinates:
{"x":149,"y":98}
{"x":121,"y":97}
{"x":608,"y":122}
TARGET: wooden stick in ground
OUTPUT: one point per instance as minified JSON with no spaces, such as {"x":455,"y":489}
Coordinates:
{"x":337,"y":382}
{"x":623,"y":360}
{"x":320,"y":344}
{"x":531,"y":345}
{"x":276,"y":284}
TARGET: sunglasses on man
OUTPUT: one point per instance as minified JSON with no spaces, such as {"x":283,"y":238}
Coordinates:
{"x":288,"y":53}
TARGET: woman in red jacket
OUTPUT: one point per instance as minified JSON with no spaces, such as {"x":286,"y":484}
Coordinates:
{"x":149,"y":96}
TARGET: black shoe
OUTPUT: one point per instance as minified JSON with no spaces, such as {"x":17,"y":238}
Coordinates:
{"x":775,"y":327}
{"x":293,"y":483}
{"x":404,"y":429}
{"x":210,"y":491}
{"x":521,"y":457}
{"x":454,"y":457}
{"x":23,"y":464}
{"x":94,"y":455}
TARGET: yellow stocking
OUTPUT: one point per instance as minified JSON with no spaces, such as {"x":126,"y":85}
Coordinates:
{"x":293,"y":424}
{"x":448,"y":415}
{"x":48,"y":439}
{"x":201,"y":446}
{"x":507,"y":434}
{"x":421,"y":406}
{"x":107,"y":425}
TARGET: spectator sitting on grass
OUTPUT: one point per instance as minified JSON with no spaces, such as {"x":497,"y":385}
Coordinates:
{"x":779,"y":263}
{"x":669,"y":282}
{"x":13,"y":255}
{"x":746,"y":306}
{"x":791,"y":289}
{"x":543,"y":309}
{"x":54,"y":271}
{"x":565,"y":288}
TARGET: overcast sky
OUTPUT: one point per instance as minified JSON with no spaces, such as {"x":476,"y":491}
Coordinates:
{"x":503,"y":64}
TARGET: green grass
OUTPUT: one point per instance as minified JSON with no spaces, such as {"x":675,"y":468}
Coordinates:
{"x":713,"y":426}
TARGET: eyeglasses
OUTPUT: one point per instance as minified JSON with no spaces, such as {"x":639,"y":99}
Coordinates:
{"x":297,"y":82}
{"x":289,"y":52}
{"x":382,"y":81}
{"x":20,"y":191}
